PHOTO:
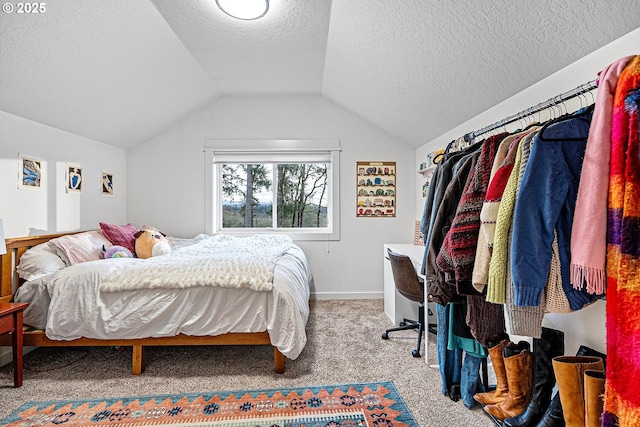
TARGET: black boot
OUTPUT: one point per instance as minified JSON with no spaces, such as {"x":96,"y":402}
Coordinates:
{"x":553,"y":417}
{"x":545,"y":348}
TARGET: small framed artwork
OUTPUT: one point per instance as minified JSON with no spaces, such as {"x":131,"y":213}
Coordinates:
{"x":418,"y":237}
{"x":30,"y":173}
{"x":106,"y":184}
{"x":74,"y":178}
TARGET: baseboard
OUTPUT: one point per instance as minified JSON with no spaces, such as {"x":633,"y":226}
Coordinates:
{"x":6,"y":354}
{"x":346,"y":295}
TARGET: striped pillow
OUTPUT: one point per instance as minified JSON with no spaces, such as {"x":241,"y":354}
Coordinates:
{"x":121,"y":235}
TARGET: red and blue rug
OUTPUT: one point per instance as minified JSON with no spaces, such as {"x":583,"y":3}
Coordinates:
{"x":348,"y":405}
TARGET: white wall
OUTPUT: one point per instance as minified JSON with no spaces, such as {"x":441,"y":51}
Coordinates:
{"x":51,"y":209}
{"x":166,"y":181}
{"x":586,"y":326}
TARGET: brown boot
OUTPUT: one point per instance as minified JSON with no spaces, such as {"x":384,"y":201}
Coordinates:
{"x":517,"y":361}
{"x":593,"y":398}
{"x":502,"y":388}
{"x":569,"y":372}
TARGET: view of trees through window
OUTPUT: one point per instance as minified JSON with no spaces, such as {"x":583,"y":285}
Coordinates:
{"x":274,"y":195}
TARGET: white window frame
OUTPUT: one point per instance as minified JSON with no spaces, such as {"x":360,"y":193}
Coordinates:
{"x":270,"y":150}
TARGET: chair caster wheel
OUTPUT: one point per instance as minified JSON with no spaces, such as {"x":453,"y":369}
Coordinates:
{"x":403,"y":323}
{"x":385,"y":336}
{"x":415,"y":353}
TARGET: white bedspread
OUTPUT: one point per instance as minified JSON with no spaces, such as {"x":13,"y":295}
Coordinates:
{"x":78,"y":307}
{"x":219,"y":260}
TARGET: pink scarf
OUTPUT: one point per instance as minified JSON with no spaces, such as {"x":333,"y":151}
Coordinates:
{"x":589,"y":232}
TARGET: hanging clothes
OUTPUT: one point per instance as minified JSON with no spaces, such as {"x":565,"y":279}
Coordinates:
{"x":442,"y":176}
{"x":438,"y":290}
{"x":457,"y":254}
{"x":588,"y":241}
{"x":489,"y":215}
{"x":545,"y":203}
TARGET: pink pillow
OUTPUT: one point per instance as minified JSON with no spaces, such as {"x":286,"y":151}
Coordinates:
{"x":80,"y":247}
{"x":121,"y":235}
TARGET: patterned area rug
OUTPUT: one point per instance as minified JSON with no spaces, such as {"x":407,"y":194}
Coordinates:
{"x":370,"y":404}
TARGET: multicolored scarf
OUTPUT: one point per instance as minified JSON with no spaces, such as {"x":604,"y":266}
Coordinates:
{"x":622,"y":399}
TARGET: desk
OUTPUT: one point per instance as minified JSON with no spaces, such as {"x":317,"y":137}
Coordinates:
{"x":11,"y":321}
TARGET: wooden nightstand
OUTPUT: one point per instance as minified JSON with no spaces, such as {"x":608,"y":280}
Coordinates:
{"x":11,"y":321}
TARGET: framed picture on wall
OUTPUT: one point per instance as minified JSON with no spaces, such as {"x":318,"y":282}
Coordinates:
{"x":74,"y":178}
{"x":376,"y":189}
{"x":30,"y":173}
{"x":106,"y":184}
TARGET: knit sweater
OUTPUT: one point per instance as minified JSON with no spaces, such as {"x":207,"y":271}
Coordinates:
{"x":457,"y":254}
{"x":496,"y":288}
{"x":546,"y":201}
{"x":489,"y":213}
{"x":622,"y":400}
{"x":480,"y":274}
{"x":526,"y":321}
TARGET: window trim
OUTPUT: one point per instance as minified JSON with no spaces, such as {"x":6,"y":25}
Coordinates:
{"x":272,"y":147}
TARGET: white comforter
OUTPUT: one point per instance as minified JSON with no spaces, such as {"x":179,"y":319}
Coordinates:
{"x":220,"y":260}
{"x":78,"y":308}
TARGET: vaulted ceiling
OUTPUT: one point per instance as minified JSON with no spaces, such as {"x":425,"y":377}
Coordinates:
{"x":121,"y":71}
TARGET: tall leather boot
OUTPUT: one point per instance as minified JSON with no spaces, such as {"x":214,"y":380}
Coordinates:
{"x":517,"y":361}
{"x":569,"y":372}
{"x":497,"y":360}
{"x":549,"y":345}
{"x":553,"y":416}
{"x":593,"y":398}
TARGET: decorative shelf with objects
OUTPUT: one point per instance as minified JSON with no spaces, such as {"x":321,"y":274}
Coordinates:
{"x":376,"y":189}
{"x":426,"y":169}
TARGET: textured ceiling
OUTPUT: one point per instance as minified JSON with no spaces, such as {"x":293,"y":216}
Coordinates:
{"x":280,"y":53}
{"x":120,"y":71}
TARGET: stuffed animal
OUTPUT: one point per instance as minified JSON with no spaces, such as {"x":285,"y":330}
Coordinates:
{"x":116,"y":251}
{"x":151,"y":242}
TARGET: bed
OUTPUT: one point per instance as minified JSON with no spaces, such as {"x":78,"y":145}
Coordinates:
{"x":85,"y":304}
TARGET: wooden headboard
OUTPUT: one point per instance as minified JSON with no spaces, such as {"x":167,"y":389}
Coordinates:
{"x":16,"y":246}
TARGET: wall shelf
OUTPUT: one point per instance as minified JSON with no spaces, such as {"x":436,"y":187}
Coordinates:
{"x":426,"y":170}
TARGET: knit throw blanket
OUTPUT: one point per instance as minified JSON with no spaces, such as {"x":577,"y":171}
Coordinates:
{"x":223,"y":261}
{"x":622,"y":399}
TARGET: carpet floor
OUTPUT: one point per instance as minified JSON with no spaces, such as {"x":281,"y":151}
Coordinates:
{"x":344,"y":346}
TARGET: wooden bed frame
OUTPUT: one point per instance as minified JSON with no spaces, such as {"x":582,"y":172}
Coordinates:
{"x":9,"y":282}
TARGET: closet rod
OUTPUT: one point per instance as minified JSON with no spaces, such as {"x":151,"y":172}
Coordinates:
{"x":583,"y":88}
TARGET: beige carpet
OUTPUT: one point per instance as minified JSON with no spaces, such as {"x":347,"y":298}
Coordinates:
{"x":344,"y":346}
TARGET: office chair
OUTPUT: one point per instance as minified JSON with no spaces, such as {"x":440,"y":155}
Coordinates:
{"x":410,"y":286}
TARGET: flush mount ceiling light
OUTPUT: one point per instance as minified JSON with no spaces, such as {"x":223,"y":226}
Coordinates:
{"x":244,"y":9}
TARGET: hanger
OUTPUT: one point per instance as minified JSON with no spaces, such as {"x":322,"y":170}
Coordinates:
{"x":562,"y":118}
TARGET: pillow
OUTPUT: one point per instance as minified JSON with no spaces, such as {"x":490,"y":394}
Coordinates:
{"x":39,"y":261}
{"x":121,"y":235}
{"x":81,"y":247}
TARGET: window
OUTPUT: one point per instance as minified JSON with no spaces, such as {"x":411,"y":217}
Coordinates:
{"x":288,"y":186}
